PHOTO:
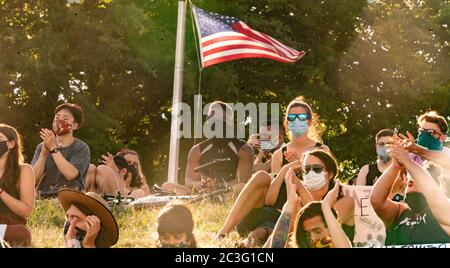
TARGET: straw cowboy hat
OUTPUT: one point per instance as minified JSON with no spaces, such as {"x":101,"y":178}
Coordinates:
{"x":109,"y":230}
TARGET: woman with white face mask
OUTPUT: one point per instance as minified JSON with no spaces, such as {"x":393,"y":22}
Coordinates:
{"x":318,"y":172}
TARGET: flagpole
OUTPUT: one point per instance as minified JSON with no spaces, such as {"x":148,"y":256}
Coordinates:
{"x":172,"y":175}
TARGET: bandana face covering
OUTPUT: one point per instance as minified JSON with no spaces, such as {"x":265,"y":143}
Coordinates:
{"x":325,"y":242}
{"x":425,"y":139}
{"x":62,"y":127}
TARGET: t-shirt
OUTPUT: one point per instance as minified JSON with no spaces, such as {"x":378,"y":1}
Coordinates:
{"x":77,"y":154}
{"x":411,"y":229}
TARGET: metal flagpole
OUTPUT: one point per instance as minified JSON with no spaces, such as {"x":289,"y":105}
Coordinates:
{"x":172,"y":175}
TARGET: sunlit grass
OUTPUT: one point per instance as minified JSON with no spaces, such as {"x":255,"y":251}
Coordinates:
{"x":137,"y":227}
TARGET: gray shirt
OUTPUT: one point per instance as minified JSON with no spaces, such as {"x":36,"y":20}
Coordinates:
{"x":77,"y":154}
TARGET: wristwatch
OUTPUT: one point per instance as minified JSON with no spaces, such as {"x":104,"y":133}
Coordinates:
{"x":54,"y":150}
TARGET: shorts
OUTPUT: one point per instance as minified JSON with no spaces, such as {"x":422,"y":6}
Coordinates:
{"x":258,"y":217}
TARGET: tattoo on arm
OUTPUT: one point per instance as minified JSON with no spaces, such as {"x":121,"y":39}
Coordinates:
{"x":280,"y":234}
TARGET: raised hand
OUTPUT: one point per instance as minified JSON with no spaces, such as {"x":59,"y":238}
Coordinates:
{"x":290,"y":157}
{"x":291,"y":189}
{"x":108,"y":160}
{"x":92,"y":229}
{"x":399,"y":154}
{"x":48,"y":138}
{"x":408,"y":142}
{"x":332,"y":196}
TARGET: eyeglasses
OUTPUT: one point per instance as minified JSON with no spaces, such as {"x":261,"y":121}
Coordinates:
{"x":431,"y":131}
{"x":384,"y":143}
{"x":315,"y":168}
{"x":301,"y":117}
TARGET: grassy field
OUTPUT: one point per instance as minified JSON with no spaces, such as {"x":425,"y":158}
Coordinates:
{"x":137,"y":227}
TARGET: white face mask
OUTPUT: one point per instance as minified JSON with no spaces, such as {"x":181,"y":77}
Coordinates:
{"x":314,"y":181}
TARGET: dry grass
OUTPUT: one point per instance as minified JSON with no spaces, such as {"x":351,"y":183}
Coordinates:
{"x":137,"y":226}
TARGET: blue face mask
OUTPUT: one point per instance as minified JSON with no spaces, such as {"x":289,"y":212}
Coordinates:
{"x":298,"y":128}
{"x":426,"y":140}
{"x":383,"y":154}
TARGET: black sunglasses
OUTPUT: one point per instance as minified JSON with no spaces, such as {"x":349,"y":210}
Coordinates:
{"x":316,"y":168}
{"x":301,"y":117}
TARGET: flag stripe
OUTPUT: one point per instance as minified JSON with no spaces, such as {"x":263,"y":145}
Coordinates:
{"x":233,"y":47}
{"x":238,"y":42}
{"x":243,"y":56}
{"x":245,"y":51}
{"x":222,"y":34}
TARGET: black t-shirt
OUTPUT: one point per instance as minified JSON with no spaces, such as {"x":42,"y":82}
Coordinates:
{"x":411,"y":229}
{"x":221,"y":148}
{"x":77,"y":154}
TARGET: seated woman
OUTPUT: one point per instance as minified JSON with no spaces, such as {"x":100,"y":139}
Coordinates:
{"x":89,"y":223}
{"x":175,"y":227}
{"x":316,"y":225}
{"x":107,"y":178}
{"x":16,"y":188}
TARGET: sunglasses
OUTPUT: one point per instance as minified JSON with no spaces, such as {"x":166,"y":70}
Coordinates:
{"x":315,"y":168}
{"x":431,"y":131}
{"x":301,"y":117}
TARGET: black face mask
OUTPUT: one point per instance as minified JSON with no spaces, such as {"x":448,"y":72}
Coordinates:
{"x":181,"y":245}
{"x":80,"y":234}
{"x":3,"y":148}
{"x":416,"y":201}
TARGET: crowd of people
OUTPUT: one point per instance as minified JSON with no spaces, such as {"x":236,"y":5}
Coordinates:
{"x":284,"y":194}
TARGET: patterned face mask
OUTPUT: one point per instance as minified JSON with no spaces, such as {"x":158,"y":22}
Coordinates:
{"x":62,"y":127}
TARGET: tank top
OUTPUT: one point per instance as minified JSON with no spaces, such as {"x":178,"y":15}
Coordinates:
{"x":409,"y":229}
{"x":282,"y":195}
{"x":373,"y":173}
{"x":216,"y":148}
{"x":6,"y":215}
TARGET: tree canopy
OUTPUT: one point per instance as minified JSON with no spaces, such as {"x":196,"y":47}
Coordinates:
{"x":368,"y":66}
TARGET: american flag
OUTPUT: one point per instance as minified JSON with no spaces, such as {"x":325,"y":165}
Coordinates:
{"x":224,"y":38}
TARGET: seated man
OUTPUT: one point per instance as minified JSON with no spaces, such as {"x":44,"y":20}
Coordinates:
{"x":235,"y":172}
{"x":371,"y":172}
{"x":61,"y":160}
{"x":89,"y":223}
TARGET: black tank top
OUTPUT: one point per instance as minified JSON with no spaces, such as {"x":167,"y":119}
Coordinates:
{"x":282,"y":195}
{"x":215,"y":148}
{"x":408,"y":229}
{"x":373,"y":173}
